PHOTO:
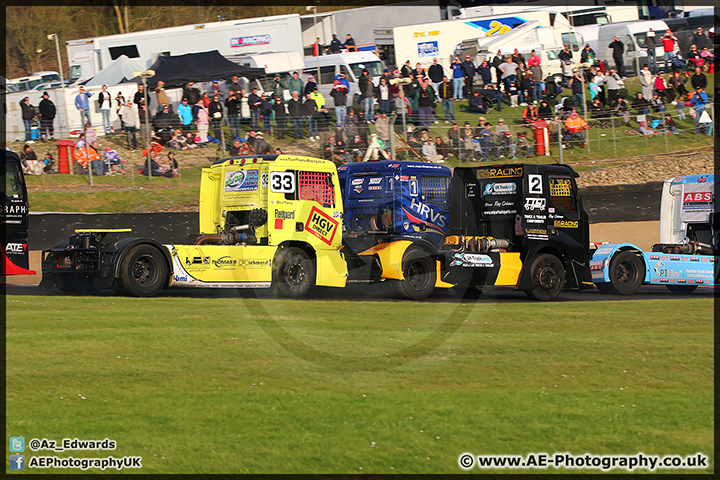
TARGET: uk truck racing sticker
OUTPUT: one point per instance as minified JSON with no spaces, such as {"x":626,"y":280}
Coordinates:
{"x":241,"y":180}
{"x":471,"y":260}
{"x":496,"y":188}
{"x":321,"y":225}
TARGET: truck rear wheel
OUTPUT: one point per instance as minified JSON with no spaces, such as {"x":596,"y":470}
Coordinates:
{"x":548,"y":276}
{"x":626,"y":273}
{"x":419,"y":272}
{"x":681,"y":289}
{"x":295,"y":274}
{"x":143,"y":272}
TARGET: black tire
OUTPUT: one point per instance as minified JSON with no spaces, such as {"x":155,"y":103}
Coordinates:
{"x":420,"y":275}
{"x":548,"y":276}
{"x":143,"y":272}
{"x":295,"y":274}
{"x":626,"y":273}
{"x":604,"y":287}
{"x":467,"y":292}
{"x":681,"y":289}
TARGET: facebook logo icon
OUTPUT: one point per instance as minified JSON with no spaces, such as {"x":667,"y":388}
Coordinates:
{"x":17,"y":462}
{"x":17,"y":444}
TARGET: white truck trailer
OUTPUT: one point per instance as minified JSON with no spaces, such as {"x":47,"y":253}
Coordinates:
{"x":88,"y":56}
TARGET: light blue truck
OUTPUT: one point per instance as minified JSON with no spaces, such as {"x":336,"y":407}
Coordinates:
{"x":686,"y":256}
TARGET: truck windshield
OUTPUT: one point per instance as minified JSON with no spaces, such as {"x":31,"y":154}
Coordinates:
{"x":375,"y":69}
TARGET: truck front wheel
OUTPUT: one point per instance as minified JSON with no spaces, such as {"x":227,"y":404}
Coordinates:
{"x":419,"y":272}
{"x":295,"y":274}
{"x":143,"y":272}
{"x":626,"y":273}
{"x":548,"y":276}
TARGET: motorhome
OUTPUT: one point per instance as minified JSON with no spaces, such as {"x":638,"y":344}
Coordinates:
{"x":88,"y":56}
{"x":276,"y":64}
{"x":351,"y":64}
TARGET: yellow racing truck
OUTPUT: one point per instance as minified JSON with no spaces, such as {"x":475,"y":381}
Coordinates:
{"x":265,"y":221}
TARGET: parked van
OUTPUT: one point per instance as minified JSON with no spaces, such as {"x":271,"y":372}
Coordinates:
{"x":24,"y":84}
{"x":683,"y":28}
{"x":48,"y":76}
{"x":633,"y":35}
{"x":351,"y":64}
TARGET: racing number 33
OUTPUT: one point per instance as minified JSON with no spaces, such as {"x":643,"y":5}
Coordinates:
{"x":282,"y":182}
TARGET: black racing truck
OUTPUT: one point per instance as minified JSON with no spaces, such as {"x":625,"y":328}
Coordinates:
{"x":521,"y":226}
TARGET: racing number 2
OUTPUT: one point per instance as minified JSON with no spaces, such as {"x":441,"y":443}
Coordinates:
{"x":282,"y":182}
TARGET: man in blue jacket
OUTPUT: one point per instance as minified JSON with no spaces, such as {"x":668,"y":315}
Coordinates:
{"x":699,"y":102}
{"x":83,"y":105}
{"x":468,"y":69}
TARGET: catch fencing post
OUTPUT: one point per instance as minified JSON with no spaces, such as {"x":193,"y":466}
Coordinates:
{"x":614,"y":140}
{"x":560,"y":144}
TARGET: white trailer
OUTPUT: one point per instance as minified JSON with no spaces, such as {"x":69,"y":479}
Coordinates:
{"x":278,"y":33}
{"x":425,"y":42}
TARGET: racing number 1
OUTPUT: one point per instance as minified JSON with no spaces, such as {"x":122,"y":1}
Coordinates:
{"x":282,"y":182}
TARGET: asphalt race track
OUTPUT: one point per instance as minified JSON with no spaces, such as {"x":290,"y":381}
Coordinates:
{"x":380,"y":292}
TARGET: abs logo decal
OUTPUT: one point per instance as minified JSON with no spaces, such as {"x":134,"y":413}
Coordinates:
{"x":321,"y":225}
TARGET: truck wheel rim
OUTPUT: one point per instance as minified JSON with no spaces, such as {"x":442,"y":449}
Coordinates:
{"x":142,"y":270}
{"x":417,"y":276}
{"x":625,"y":272}
{"x":296,"y":273}
{"x":547,"y":278}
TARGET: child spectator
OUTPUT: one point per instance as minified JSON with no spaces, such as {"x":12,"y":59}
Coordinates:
{"x":113,"y":159}
{"x":680,"y":106}
{"x":523,"y":143}
{"x":514,"y":93}
{"x":48,"y":163}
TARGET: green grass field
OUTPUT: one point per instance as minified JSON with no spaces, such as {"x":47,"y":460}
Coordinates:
{"x":240,"y":385}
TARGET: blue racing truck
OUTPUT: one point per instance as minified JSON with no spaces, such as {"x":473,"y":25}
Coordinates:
{"x":395,"y":217}
{"x":686,"y":256}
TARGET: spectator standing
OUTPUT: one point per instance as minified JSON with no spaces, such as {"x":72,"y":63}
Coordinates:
{"x":509,"y":72}
{"x":28,"y":114}
{"x":699,"y":102}
{"x":234,"y":85}
{"x":612,"y":81}
{"x":576,"y":83}
{"x":310,"y":86}
{"x":215,"y":90}
{"x":646,"y":81}
{"x":295,"y":84}
{"x":485,"y":71}
{"x":266,"y":112}
{"x":339,"y":94}
{"x":700,"y":39}
{"x":105,"y":103}
{"x":119,"y":102}
{"x":528,"y":87}
{"x":131,"y":117}
{"x":351,"y":124}
{"x":382,"y":126}
{"x":277,"y":88}
{"x":651,"y":44}
{"x":323,"y":119}
{"x":318,"y":97}
{"x":566,"y":58}
{"x":618,"y":49}
{"x":162,"y":97}
{"x":383,"y":92}
{"x":699,"y":80}
{"x":215,"y":110}
{"x":232,"y":106}
{"x":280,"y":117}
{"x":668,"y":40}
{"x":336,"y":45}
{"x":517,"y":57}
{"x":140,"y":97}
{"x":83,"y":105}
{"x":534,"y":62}
{"x":498,"y":60}
{"x":311,"y":109}
{"x":47,"y":116}
{"x":457,"y":73}
{"x":192,"y":93}
{"x":445,"y":92}
{"x":367,"y":90}
{"x":202,"y":119}
{"x":185,"y":112}
{"x":588,"y":55}
{"x":350,"y":43}
{"x":406,"y":69}
{"x":468,"y":69}
{"x":436,"y":74}
{"x":426,"y":98}
{"x":296,"y":112}
{"x":254,"y":104}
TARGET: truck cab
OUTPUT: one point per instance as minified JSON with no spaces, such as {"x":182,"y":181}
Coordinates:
{"x":687,"y":253}
{"x":520,"y":226}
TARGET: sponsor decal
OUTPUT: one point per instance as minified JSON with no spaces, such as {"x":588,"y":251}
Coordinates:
{"x":507,"y":188}
{"x":321,"y":225}
{"x":536,"y":233}
{"x":535,"y":204}
{"x":284,"y":214}
{"x":375,"y":187}
{"x":551,"y":210}
{"x":471,"y":260}
{"x":426,"y":33}
{"x":375,"y":181}
{"x":282,"y":182}
{"x":421,"y":213}
{"x":225,"y":262}
{"x":566,"y":223}
{"x":264,"y":181}
{"x":15,"y":248}
{"x":674,"y":257}
{"x":357,"y":189}
{"x":500,"y":212}
{"x":252,"y":263}
{"x":241,"y":180}
{"x":15,"y":209}
{"x":428,"y":49}
{"x":496,"y":26}
{"x":181,"y":278}
{"x":660,"y":270}
{"x":199,"y":260}
{"x":499,"y":172}
{"x":470,"y":189}
{"x":656,"y":257}
{"x":357,"y":181}
{"x":249,"y":40}
{"x":535,"y":218}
